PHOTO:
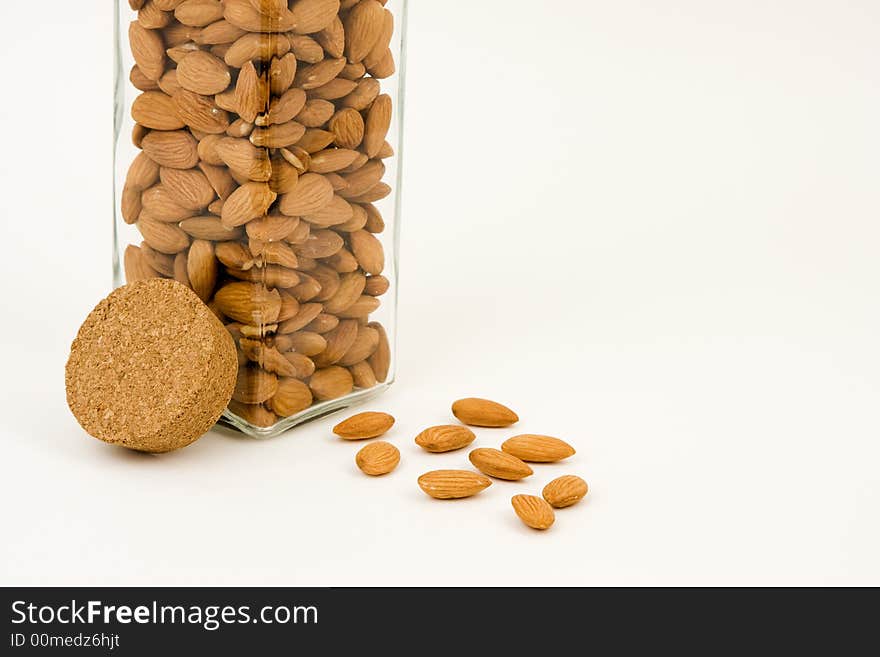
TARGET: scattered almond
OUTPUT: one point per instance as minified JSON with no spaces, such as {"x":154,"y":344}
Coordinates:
{"x":364,"y":425}
{"x":378,"y":458}
{"x":565,"y":491}
{"x":538,"y":449}
{"x":453,"y":484}
{"x":496,"y":463}
{"x":483,"y":413}
{"x":445,"y":438}
{"x":533,"y":511}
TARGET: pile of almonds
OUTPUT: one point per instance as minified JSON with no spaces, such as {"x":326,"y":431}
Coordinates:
{"x":510,"y":463}
{"x":262,"y":130}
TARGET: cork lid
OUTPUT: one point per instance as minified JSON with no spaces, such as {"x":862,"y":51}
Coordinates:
{"x":151,"y":369}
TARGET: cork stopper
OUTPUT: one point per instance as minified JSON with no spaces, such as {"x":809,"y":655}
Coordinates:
{"x":151,"y":369}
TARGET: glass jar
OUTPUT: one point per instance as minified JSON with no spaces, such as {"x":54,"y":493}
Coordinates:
{"x":258,"y":162}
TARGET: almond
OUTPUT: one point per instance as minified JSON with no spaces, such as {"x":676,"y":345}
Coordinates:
{"x":350,"y":289}
{"x":377,"y":55}
{"x":271,"y":276}
{"x":156,"y":110}
{"x":201,"y":269}
{"x":148,"y":50}
{"x":143,"y":173}
{"x":130,"y":204}
{"x":498,"y":464}
{"x":565,"y":491}
{"x":234,"y":254}
{"x":254,"y":385}
{"x":368,"y":251}
{"x":200,"y":112}
{"x":334,"y":89}
{"x":364,"y":179}
{"x":188,"y":187}
{"x":483,"y":413}
{"x":332,"y":159}
{"x":176,"y":149}
{"x":285,"y":108}
{"x":384,"y":66}
{"x":533,"y":511}
{"x":241,"y":13}
{"x":339,"y":340}
{"x":306,"y":314}
{"x":377,"y":125}
{"x":249,"y":303}
{"x":219,"y":32}
{"x":331,"y":383}
{"x":363,"y":95}
{"x":453,"y":484}
{"x":136,"y":266}
{"x":244,"y":159}
{"x":165,"y":238}
{"x":363,"y":27}
{"x":292,"y":397}
{"x":332,"y":38}
{"x":278,"y":253}
{"x":140,"y":81}
{"x":347,"y":126}
{"x":310,"y":16}
{"x":257,"y":414}
{"x":317,"y":75}
{"x":159,"y":205}
{"x":380,"y":361}
{"x":249,"y":201}
{"x":538,"y":449}
{"x":209,"y":228}
{"x":203,"y":73}
{"x":282,"y":72}
{"x":364,"y":345}
{"x":314,"y":114}
{"x":377,"y":286}
{"x":306,"y":49}
{"x":364,"y":426}
{"x":152,"y":17}
{"x":361,"y":309}
{"x":363,"y":375}
{"x":272,"y":228}
{"x":338,"y":211}
{"x":256,"y":46}
{"x":220,"y":179}
{"x":445,"y":438}
{"x":312,"y":193}
{"x":377,"y":459}
{"x":279,"y":135}
{"x":251,"y":93}
{"x":307,"y":343}
{"x":199,"y":13}
{"x":302,"y":364}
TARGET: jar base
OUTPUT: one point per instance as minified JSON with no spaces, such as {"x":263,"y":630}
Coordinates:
{"x":314,"y":412}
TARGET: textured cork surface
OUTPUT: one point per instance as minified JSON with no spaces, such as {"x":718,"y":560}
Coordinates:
{"x":151,"y":369}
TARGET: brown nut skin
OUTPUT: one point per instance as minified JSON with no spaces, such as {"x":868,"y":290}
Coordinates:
{"x":565,"y":491}
{"x":377,"y":459}
{"x":495,"y":463}
{"x":364,"y":426}
{"x":483,"y":413}
{"x":534,"y":511}
{"x":445,"y":438}
{"x":453,"y":484}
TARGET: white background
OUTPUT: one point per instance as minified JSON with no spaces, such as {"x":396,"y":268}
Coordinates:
{"x":649,"y":227}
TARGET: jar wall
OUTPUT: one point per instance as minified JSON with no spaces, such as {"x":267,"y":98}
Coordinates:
{"x":258,"y":150}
